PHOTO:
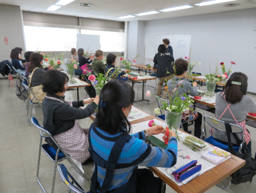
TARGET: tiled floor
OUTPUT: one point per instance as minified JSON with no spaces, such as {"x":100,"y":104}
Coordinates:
{"x":19,"y":146}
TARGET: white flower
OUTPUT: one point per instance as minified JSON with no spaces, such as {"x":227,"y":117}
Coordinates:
{"x":157,"y":111}
{"x":199,"y":63}
{"x":168,"y":109}
{"x":174,"y":107}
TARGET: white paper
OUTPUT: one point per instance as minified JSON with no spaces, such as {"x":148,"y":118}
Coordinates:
{"x":77,"y":83}
{"x":136,"y":114}
{"x":210,"y":100}
{"x":183,"y":152}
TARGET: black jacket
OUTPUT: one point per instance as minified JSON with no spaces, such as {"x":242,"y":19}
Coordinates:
{"x":60,"y":117}
{"x":83,"y":60}
{"x":164,"y":64}
{"x":4,"y":70}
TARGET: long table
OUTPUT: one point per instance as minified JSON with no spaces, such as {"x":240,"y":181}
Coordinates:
{"x":79,"y":83}
{"x":206,"y":180}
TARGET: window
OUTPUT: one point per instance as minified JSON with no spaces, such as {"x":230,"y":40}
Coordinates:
{"x":110,"y":41}
{"x":50,"y":38}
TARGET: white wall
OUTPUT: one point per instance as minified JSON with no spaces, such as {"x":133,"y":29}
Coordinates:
{"x":12,"y":28}
{"x":226,"y":36}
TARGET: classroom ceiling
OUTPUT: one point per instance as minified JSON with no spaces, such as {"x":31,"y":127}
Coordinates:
{"x":112,"y":9}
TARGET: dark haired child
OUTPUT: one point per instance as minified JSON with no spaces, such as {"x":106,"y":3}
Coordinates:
{"x":110,"y":142}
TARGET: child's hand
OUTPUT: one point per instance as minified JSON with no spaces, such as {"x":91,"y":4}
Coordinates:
{"x":129,"y":76}
{"x":96,"y":100}
{"x":126,"y":71}
{"x":90,"y":100}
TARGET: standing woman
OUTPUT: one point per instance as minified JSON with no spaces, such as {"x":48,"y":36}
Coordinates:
{"x":163,"y":62}
{"x":112,"y":145}
{"x":16,"y":62}
{"x":169,"y":49}
{"x":60,"y":117}
{"x":233,"y":104}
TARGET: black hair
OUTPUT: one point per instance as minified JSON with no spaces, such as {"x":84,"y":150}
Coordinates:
{"x":111,"y":58}
{"x":18,"y":48}
{"x":54,"y":81}
{"x":234,"y":93}
{"x":35,"y":61}
{"x":116,"y":94}
{"x":80,"y":52}
{"x":181,"y":66}
{"x":161,"y":48}
{"x":27,"y":55}
{"x":15,"y":54}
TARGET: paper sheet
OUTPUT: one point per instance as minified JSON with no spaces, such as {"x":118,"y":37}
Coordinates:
{"x":136,"y":114}
{"x":183,"y":152}
{"x":210,"y":100}
{"x":77,"y":83}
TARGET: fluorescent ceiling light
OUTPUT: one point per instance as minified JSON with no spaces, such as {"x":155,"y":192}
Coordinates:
{"x":64,"y":2}
{"x":53,"y":7}
{"x":176,"y":8}
{"x":126,"y":17}
{"x":147,"y":13}
{"x":213,"y":2}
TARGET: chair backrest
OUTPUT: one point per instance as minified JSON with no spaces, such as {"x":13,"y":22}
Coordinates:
{"x":219,"y":125}
{"x":160,"y":102}
{"x":12,"y":69}
{"x":43,"y":132}
{"x":24,"y":83}
{"x":65,"y":175}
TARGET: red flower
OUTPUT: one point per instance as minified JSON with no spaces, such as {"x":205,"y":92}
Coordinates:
{"x":232,"y":62}
{"x":225,"y":73}
{"x":134,"y":61}
{"x":186,"y":57}
{"x":58,"y":62}
{"x":121,"y":59}
{"x":222,"y":63}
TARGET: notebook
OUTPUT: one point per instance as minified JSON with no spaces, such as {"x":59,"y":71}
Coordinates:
{"x":216,"y":155}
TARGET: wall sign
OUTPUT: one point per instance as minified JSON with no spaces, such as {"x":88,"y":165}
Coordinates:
{"x":6,"y":41}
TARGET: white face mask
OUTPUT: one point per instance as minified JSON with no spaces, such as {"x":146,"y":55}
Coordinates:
{"x":19,"y":55}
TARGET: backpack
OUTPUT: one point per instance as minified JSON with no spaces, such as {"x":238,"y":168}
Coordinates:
{"x":247,"y":172}
{"x":20,"y":90}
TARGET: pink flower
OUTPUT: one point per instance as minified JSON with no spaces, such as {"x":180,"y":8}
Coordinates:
{"x":151,"y":123}
{"x":225,"y":73}
{"x":186,"y":57}
{"x":58,"y":62}
{"x":218,"y":76}
{"x":134,"y":61}
{"x":75,"y":66}
{"x":223,"y":76}
{"x":85,"y":71}
{"x":92,"y":78}
{"x":93,"y":55}
{"x":188,"y":157}
{"x":226,"y":76}
{"x":148,"y":93}
{"x":121,"y":59}
{"x":71,"y":59}
{"x":222,"y":63}
{"x":232,"y":62}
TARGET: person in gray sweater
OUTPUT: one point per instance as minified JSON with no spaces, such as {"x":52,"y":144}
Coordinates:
{"x":178,"y":86}
{"x":233,"y":104}
{"x":60,"y":116}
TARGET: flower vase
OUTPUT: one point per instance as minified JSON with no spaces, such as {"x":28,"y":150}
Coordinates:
{"x":210,"y":88}
{"x":98,"y":90}
{"x":71,"y":73}
{"x":173,"y":120}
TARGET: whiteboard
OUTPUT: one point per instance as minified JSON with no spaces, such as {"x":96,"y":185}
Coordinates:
{"x":88,"y":42}
{"x":180,"y":45}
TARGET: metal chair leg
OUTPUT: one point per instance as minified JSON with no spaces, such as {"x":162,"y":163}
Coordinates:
{"x":163,"y":187}
{"x":225,"y":187}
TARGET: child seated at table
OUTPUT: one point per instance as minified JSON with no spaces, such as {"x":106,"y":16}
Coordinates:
{"x":60,"y":117}
{"x":112,"y":72}
{"x":110,"y":133}
{"x":233,"y":104}
{"x":179,"y":86}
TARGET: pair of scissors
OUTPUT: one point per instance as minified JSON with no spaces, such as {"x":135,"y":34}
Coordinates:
{"x":166,"y":136}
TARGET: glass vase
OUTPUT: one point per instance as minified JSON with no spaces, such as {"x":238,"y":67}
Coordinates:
{"x":173,"y":121}
{"x":71,"y":73}
{"x":98,"y":90}
{"x":210,"y":88}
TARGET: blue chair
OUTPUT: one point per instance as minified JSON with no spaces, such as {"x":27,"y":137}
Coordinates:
{"x":55,"y":155}
{"x":220,"y":126}
{"x":68,"y":179}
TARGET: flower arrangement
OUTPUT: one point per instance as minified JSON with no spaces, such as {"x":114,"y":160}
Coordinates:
{"x":71,"y":66}
{"x":191,"y":65}
{"x":174,"y":107}
{"x":127,"y":63}
{"x":98,"y":82}
{"x":148,"y":65}
{"x":224,"y":70}
{"x":54,"y":63}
